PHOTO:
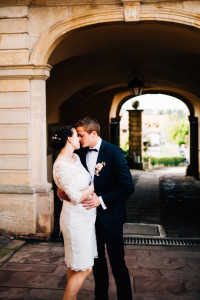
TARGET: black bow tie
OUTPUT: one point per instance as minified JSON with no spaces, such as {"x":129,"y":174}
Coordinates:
{"x":90,"y":149}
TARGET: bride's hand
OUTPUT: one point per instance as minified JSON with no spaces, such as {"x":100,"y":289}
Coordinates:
{"x":91,"y":202}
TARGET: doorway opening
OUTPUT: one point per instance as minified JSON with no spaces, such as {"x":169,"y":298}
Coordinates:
{"x":164,"y":129}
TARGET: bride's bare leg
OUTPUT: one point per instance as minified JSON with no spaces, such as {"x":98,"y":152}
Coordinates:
{"x":69,"y":273}
{"x":74,"y":284}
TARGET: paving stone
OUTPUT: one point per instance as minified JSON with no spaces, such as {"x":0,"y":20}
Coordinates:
{"x":57,"y":249}
{"x":181,"y":274}
{"x":15,"y":244}
{"x":145,"y":273}
{"x":161,"y":297}
{"x":28,"y":267}
{"x":13,"y":293}
{"x":180,"y":254}
{"x":37,"y":258}
{"x":146,"y":247}
{"x":45,"y":294}
{"x":32,"y":280}
{"x":182,"y":249}
{"x":167,"y":286}
{"x":85,"y":295}
{"x":146,"y":195}
{"x":137,"y":252}
{"x":6,"y":256}
{"x":88,"y":285}
{"x":194,"y":264}
{"x":61,"y":269}
{"x":163,"y":263}
{"x":36,"y":249}
{"x":131,"y":262}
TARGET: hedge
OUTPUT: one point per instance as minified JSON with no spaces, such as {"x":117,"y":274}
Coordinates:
{"x":167,"y":161}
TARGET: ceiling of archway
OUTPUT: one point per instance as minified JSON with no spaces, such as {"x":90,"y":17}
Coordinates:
{"x":103,"y":56}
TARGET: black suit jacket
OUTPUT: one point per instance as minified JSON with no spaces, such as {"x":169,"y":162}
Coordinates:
{"x":114,"y":184}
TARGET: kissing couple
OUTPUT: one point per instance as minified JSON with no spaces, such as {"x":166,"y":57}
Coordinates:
{"x":94,"y":182}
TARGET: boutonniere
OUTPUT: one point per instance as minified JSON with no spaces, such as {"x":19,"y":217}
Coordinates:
{"x":99,"y":167}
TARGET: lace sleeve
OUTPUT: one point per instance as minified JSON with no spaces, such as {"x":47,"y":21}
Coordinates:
{"x":63,"y":180}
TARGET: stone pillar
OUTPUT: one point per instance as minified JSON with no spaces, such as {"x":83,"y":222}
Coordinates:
{"x":192,"y":169}
{"x":114,"y":131}
{"x":135,"y":138}
{"x":26,"y":197}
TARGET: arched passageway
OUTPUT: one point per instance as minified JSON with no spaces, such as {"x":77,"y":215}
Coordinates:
{"x":91,"y":68}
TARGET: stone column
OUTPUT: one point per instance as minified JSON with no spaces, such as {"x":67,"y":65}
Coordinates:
{"x":192,"y":169}
{"x":135,"y":138}
{"x":25,"y":195}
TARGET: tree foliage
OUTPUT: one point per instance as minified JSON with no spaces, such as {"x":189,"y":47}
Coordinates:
{"x":178,"y":130}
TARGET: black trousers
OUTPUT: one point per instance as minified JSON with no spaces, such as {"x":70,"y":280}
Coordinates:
{"x":113,"y":239}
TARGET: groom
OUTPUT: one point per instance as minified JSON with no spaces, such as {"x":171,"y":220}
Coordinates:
{"x":113,"y":185}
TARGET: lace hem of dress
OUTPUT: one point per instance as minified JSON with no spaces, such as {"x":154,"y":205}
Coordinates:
{"x":76,"y":270}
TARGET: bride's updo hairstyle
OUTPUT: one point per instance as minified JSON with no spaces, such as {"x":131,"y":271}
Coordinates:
{"x":59,"y":139}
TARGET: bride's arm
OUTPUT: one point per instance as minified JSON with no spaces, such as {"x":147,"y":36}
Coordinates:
{"x":85,"y":194}
{"x":63,"y":179}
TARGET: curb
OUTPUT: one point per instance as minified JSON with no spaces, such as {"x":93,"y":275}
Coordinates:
{"x":8,"y":251}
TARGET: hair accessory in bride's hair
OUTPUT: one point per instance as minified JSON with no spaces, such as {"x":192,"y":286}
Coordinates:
{"x":55,"y":137}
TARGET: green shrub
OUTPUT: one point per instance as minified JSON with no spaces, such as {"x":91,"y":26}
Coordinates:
{"x":167,"y":161}
{"x":145,"y":158}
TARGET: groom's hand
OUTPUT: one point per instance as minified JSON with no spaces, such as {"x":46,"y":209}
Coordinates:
{"x":91,"y":202}
{"x":62,"y":195}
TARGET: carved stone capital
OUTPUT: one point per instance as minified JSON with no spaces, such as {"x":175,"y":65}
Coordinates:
{"x":25,"y":189}
{"x":25,"y":71}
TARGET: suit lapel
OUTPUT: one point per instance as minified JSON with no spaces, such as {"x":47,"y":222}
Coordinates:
{"x":100,"y":156}
{"x":101,"y":152}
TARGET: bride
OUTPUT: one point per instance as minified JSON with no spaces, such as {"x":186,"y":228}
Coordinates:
{"x":77,"y":224}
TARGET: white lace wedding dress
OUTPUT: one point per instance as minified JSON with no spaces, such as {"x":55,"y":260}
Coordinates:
{"x":77,"y":224}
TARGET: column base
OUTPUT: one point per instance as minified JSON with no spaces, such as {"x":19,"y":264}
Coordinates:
{"x":192,"y":171}
{"x":134,"y":165}
{"x":26,"y":213}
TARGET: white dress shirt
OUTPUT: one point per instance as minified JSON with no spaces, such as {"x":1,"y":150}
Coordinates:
{"x":91,"y":161}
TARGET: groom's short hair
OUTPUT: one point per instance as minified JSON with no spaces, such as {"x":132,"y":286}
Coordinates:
{"x":89,"y":124}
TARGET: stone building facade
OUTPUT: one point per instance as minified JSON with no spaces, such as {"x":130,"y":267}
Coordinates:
{"x":63,"y":59}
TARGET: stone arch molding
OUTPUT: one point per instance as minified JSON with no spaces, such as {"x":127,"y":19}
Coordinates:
{"x":129,"y":12}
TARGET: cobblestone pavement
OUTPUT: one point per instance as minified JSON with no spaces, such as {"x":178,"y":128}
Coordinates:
{"x":180,"y":206}
{"x":143,"y":206}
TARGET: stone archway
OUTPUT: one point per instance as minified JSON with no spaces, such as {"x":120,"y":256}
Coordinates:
{"x":130,"y":12}
{"x":120,"y":98}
